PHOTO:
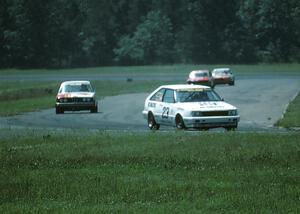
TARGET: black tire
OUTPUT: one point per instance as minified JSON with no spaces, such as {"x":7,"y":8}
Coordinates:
{"x":179,"y":122}
{"x":152,"y":123}
{"x":231,"y":128}
{"x":59,"y":110}
{"x":94,"y":109}
{"x":231,"y":83}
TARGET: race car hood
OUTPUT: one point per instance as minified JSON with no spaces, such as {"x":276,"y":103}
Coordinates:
{"x":207,"y":106}
{"x":198,"y":79}
{"x":76,"y":94}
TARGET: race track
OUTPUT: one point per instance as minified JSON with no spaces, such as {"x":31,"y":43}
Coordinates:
{"x":261,"y":102}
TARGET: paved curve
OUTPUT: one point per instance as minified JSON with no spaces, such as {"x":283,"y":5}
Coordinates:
{"x":261,"y":101}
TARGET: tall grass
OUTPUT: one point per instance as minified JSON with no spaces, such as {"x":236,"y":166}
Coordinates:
{"x":149,"y":173}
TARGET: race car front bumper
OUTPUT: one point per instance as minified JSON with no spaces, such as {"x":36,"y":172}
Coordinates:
{"x":211,"y":122}
{"x":76,"y":106}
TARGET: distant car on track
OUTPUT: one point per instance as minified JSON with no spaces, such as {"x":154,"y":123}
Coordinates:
{"x":223,"y":76}
{"x":76,"y":96}
{"x":189,"y":106}
{"x":201,"y":77}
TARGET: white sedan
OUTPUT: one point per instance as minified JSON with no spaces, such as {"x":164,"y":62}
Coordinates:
{"x":189,"y":106}
{"x":76,"y":96}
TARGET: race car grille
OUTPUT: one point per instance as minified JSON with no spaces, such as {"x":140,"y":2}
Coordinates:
{"x":215,"y":113}
{"x":76,"y":100}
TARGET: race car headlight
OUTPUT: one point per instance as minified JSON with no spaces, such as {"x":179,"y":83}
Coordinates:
{"x":232,"y":112}
{"x":196,"y":113}
{"x":63,"y":100}
{"x":87,"y":99}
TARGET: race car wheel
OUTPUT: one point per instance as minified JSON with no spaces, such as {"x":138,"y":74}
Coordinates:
{"x":94,"y":109}
{"x":231,"y":128}
{"x":231,"y":83}
{"x":179,"y":122}
{"x":152,"y":123}
{"x":59,"y":110}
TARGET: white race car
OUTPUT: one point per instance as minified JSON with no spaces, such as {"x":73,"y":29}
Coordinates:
{"x":76,"y":96}
{"x":189,"y":106}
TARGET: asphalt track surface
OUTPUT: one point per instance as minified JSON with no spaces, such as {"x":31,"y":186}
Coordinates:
{"x":261,"y":100}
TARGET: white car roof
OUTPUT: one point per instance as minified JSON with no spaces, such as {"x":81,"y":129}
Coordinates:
{"x":183,"y":86}
{"x":200,"y":71}
{"x":221,"y":69}
{"x":77,"y":82}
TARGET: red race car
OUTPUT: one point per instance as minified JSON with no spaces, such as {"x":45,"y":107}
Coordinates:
{"x":201,"y":77}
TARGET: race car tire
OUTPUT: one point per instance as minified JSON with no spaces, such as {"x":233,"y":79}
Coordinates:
{"x":94,"y":109}
{"x":179,"y":122}
{"x":59,"y":110}
{"x":231,"y":128}
{"x":152,"y":123}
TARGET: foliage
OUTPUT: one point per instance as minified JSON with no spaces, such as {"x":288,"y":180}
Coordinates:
{"x":62,"y":33}
{"x":151,"y":42}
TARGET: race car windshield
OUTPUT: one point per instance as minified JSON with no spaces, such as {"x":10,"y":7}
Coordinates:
{"x":201,"y":75}
{"x":197,"y":96}
{"x":78,"y":88}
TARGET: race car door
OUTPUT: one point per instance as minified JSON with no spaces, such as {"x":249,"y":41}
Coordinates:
{"x":166,"y":108}
{"x":156,"y":104}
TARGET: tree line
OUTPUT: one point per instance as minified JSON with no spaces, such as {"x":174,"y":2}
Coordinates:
{"x":79,"y":33}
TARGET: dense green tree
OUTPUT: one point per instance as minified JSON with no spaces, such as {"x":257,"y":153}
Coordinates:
{"x":4,"y":25}
{"x":16,"y":34}
{"x":61,"y":33}
{"x":272,"y":25}
{"x":152,"y":42}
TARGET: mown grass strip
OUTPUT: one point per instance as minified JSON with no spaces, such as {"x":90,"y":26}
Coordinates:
{"x":291,"y":118}
{"x":154,"y":173}
{"x":176,"y":68}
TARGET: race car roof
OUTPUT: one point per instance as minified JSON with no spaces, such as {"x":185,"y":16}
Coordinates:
{"x":75,"y":82}
{"x":221,"y":69}
{"x":183,"y":86}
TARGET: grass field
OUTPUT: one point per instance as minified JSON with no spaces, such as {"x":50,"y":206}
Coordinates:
{"x":177,"y":172}
{"x":163,"y":69}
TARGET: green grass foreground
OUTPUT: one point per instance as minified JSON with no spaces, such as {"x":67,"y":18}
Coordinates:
{"x":291,"y":118}
{"x":178,"y":172}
